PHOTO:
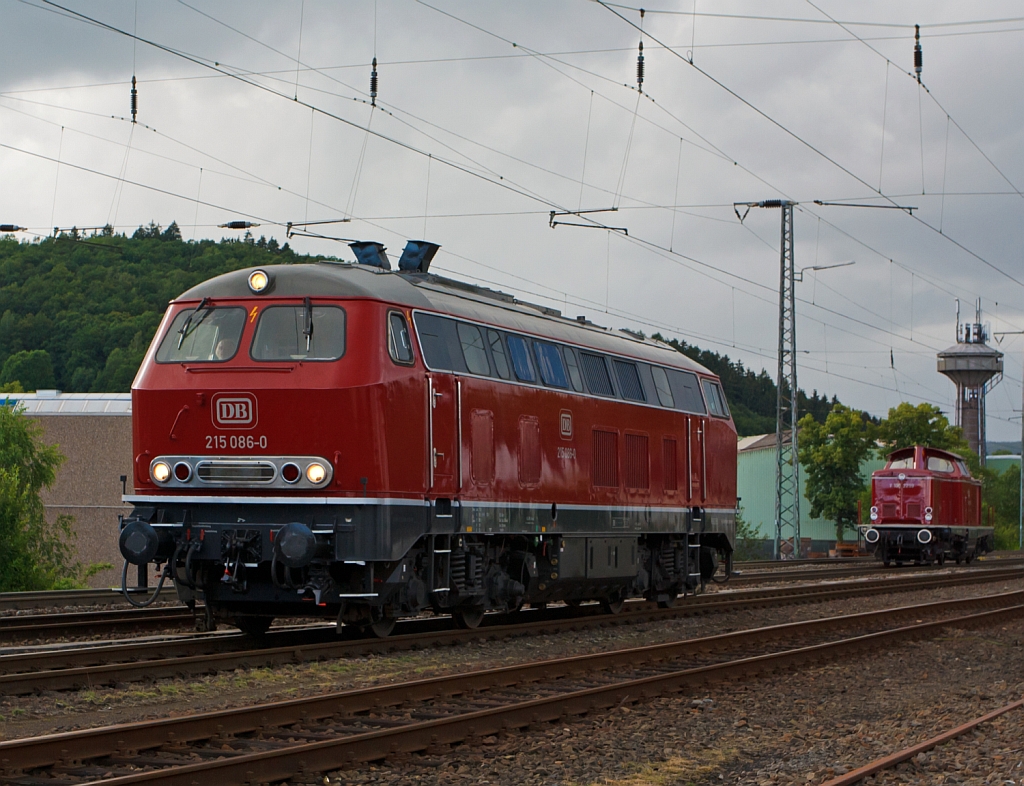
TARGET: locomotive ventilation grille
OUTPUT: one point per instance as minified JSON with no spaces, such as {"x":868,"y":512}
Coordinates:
{"x":244,"y":472}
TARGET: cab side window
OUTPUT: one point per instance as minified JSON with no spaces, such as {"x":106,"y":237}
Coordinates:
{"x":399,"y":343}
{"x":520,"y":352}
{"x":716,"y":401}
{"x":473,"y":349}
{"x":498,"y":353}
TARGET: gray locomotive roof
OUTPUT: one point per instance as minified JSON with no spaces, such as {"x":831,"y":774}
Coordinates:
{"x":435,"y":293}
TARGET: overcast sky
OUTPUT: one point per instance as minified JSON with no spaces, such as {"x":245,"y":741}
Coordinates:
{"x":492,"y":114}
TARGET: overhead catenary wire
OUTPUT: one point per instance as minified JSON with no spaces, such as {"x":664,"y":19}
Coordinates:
{"x":236,"y":76}
{"x":818,"y":151}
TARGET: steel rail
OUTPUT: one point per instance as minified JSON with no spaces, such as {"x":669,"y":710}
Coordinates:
{"x":908,"y":753}
{"x":791,"y":574}
{"x":87,"y":597}
{"x":69,"y":669}
{"x":161,"y":618}
{"x":112,"y":596}
{"x":127,"y":739}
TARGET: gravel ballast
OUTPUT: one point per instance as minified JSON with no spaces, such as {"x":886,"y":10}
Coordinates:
{"x":789,"y":728}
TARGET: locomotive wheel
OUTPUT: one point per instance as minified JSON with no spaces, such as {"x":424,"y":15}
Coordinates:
{"x":611,"y":605}
{"x":382,"y":628}
{"x":468,"y":619}
{"x":253,"y":625}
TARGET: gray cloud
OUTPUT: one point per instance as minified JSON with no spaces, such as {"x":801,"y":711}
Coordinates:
{"x":520,"y":122}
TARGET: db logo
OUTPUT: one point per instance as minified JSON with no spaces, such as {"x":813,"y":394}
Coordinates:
{"x":234,"y":410}
{"x":565,"y":423}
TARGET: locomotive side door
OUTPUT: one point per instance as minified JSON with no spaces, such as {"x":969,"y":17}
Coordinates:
{"x":442,"y":435}
{"x":695,"y":441}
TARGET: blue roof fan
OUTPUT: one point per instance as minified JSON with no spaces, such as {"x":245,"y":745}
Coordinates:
{"x":417,"y":256}
{"x":371,"y":253}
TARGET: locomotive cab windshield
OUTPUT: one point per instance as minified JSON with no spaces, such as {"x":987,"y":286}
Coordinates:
{"x":203,"y":335}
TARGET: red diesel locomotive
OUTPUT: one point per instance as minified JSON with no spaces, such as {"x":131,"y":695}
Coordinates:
{"x":925,"y":507}
{"x":352,"y":442}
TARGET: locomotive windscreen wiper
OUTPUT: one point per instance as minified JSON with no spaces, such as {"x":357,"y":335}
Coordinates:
{"x":307,"y":329}
{"x":183,"y":331}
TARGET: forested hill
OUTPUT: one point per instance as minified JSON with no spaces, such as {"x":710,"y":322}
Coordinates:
{"x":77,"y":313}
{"x":752,"y":396}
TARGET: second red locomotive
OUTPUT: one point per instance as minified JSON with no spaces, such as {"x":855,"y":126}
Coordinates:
{"x":925,"y":507}
{"x":352,"y":442}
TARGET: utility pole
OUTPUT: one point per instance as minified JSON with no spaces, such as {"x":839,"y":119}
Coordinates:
{"x":787,"y":461}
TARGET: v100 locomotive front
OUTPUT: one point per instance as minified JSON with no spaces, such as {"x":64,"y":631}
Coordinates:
{"x":342,"y":441}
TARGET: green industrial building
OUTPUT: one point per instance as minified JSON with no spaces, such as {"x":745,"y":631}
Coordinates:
{"x":755,"y":485}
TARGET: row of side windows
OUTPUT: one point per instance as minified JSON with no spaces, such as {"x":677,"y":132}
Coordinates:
{"x":451,"y":345}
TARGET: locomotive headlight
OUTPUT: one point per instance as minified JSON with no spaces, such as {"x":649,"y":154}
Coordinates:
{"x":258,"y":281}
{"x":874,"y":513}
{"x":161,"y":471}
{"x":316,"y":472}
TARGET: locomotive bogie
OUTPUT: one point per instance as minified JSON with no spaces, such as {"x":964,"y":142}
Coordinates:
{"x":359,"y":445}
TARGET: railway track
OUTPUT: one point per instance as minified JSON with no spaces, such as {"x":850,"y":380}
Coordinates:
{"x":275,"y":741}
{"x":70,"y":668}
{"x":897,"y":758}
{"x":92,"y":622}
{"x":50,"y":599}
{"x":109,"y":596}
{"x":166,"y":618}
{"x":849,"y":568}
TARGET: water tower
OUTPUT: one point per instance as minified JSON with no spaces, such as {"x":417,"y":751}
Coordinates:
{"x":975,"y":369}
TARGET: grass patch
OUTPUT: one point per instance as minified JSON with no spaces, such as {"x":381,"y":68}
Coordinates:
{"x":676,"y":770}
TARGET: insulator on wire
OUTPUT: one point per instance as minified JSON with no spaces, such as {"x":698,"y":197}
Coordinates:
{"x":135,"y":99}
{"x":373,"y":84}
{"x":918,"y":54}
{"x":640,"y":68}
{"x":640,"y":57}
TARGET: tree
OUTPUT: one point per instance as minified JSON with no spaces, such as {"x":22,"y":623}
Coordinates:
{"x":1001,"y":492}
{"x":33,"y":369}
{"x":37,"y":554}
{"x":831,"y":454}
{"x":924,"y":424}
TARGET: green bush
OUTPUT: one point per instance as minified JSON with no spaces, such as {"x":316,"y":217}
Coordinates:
{"x":37,"y":554}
